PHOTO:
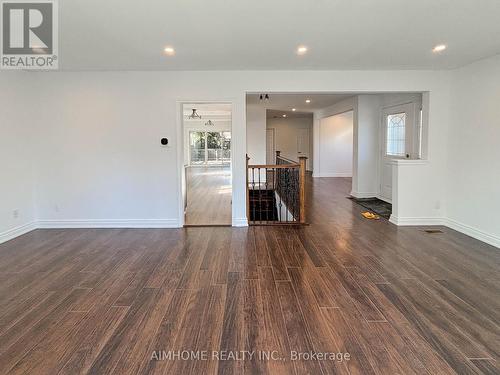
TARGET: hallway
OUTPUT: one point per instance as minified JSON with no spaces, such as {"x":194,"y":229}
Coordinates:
{"x":398,"y":300}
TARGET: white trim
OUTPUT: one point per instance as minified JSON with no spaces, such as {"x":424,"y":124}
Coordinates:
{"x":362,"y":195}
{"x":17,"y":231}
{"x":407,"y":221}
{"x":240,"y":222}
{"x":386,"y":200}
{"x":473,"y":232}
{"x":346,"y":174}
{"x":405,"y":162}
{"x":450,"y":223}
{"x":119,"y":223}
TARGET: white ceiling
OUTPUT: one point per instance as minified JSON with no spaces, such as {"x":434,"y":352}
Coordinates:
{"x":222,"y":35}
{"x":282,"y":103}
{"x":273,"y":113}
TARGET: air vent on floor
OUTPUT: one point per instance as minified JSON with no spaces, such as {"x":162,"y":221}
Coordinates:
{"x":433,"y":231}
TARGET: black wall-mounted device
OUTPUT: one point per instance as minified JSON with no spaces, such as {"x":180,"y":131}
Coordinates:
{"x":164,"y":141}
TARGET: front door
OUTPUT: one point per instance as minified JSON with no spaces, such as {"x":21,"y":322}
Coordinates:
{"x":396,"y":143}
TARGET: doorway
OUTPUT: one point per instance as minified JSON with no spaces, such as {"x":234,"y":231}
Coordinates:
{"x":207,"y":164}
{"x":396,"y":135}
{"x":270,"y":146}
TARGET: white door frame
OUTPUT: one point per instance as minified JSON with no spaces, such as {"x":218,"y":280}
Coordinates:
{"x":181,"y":193}
{"x":308,"y":130}
{"x":409,"y":109}
{"x":273,"y":131}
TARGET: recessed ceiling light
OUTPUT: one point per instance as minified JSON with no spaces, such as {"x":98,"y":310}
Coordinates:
{"x":284,"y":115}
{"x":169,"y":51}
{"x":294,"y":109}
{"x":439,"y":48}
{"x":301,"y":50}
{"x":308,"y":101}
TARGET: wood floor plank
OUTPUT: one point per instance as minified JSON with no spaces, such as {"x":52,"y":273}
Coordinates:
{"x":89,"y":340}
{"x":232,"y":329}
{"x":487,"y":366}
{"x":296,"y":328}
{"x":15,"y":347}
{"x":110,"y":355}
{"x":315,"y":323}
{"x":277,"y":261}
{"x":37,"y":360}
{"x":436,"y":340}
{"x":168,"y":330}
{"x":254,"y":334}
{"x":211,"y":331}
{"x":276,"y":337}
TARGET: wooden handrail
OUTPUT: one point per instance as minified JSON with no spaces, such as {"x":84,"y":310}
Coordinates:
{"x":278,"y":156}
{"x":274,"y":166}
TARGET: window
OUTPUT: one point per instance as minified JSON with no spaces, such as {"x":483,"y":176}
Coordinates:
{"x":396,"y":137}
{"x":209,"y":147}
{"x":197,"y":147}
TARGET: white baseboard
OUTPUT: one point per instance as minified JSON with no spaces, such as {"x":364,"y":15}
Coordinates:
{"x":122,"y":223}
{"x":452,"y":224}
{"x":17,"y":231}
{"x":240,"y":222}
{"x":407,"y":221}
{"x":361,"y":195}
{"x":332,"y":174}
{"x":473,"y":232}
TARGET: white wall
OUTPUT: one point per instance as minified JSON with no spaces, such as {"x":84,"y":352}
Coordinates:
{"x":17,"y":184}
{"x":256,"y":133}
{"x":286,"y":132}
{"x":335,"y":145}
{"x":99,"y":161}
{"x":349,"y":104}
{"x":473,"y":169}
{"x":365,"y":182}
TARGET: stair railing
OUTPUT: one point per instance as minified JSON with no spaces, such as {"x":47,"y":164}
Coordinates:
{"x":276,"y":192}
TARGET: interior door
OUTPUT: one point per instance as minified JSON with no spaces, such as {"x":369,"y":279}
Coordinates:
{"x":270,"y":147}
{"x":303,"y":144}
{"x":396,"y":143}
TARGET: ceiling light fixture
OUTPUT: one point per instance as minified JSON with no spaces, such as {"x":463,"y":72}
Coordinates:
{"x":284,"y":115}
{"x":439,"y":48}
{"x":308,"y":101}
{"x":301,"y":50}
{"x":294,"y":109}
{"x":194,"y":115}
{"x":170,"y":51}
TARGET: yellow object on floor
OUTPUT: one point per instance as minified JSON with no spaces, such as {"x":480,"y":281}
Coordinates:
{"x":370,"y":215}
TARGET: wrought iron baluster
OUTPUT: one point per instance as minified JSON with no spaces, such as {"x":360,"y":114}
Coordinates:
{"x":260,"y":200}
{"x":254,"y":217}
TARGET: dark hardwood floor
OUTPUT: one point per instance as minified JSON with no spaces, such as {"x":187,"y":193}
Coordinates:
{"x":397,"y":300}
